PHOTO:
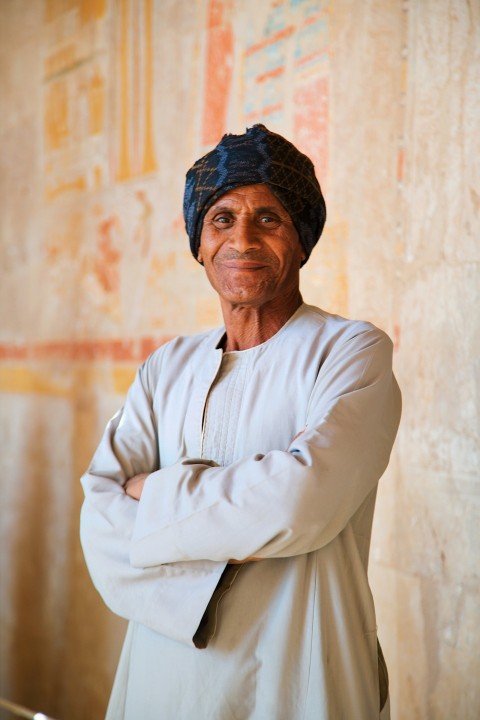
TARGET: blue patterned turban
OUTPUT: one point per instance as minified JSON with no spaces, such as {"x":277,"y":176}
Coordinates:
{"x":258,"y":156}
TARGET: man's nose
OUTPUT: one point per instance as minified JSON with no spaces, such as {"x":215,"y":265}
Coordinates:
{"x":245,"y":235}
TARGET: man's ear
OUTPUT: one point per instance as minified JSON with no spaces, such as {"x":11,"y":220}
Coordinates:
{"x":200,"y":256}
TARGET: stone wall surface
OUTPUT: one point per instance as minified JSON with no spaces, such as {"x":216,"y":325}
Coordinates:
{"x":105,"y":104}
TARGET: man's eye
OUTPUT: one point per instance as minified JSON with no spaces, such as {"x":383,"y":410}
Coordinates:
{"x":265,"y":219}
{"x":222,"y":219}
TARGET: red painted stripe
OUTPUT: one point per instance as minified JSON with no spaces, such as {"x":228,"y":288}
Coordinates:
{"x":264,"y":112}
{"x":276,"y":72}
{"x":322,"y":52}
{"x":314,"y":18}
{"x":271,"y":40}
{"x":114,"y":350}
{"x":218,"y":71}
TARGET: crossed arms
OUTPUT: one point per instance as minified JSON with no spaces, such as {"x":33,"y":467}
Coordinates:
{"x":157,"y":560}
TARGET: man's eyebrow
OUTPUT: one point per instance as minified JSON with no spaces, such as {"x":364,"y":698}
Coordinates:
{"x":220,"y":208}
{"x":268,"y":209}
{"x":232,"y":209}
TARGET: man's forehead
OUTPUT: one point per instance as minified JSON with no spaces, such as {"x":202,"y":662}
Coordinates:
{"x":259,"y":196}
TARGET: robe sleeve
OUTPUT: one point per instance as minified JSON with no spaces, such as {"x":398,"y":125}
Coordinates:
{"x":286,"y":502}
{"x":170,"y":599}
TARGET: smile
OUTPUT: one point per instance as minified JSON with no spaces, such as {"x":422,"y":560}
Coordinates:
{"x":243,"y":265}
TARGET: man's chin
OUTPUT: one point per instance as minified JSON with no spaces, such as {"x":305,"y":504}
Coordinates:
{"x":244,"y":296}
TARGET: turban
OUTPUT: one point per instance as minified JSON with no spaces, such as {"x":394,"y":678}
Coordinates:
{"x":257,"y":156}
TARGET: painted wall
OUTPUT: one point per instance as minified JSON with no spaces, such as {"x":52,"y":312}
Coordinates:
{"x":105,"y":105}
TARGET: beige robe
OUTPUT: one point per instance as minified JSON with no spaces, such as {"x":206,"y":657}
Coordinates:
{"x":295,"y":635}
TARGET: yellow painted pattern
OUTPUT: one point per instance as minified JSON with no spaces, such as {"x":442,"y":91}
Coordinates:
{"x":61,"y":60}
{"x":79,"y":183}
{"x":96,"y":99}
{"x":92,"y":9}
{"x":89,"y":9}
{"x":136,"y":151}
{"x":54,"y":8}
{"x":122,"y":378}
{"x":149,"y":161}
{"x":124,"y":165}
{"x":24,"y":380}
{"x":56,"y":115}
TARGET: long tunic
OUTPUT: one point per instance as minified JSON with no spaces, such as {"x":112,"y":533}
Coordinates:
{"x":292,"y":636}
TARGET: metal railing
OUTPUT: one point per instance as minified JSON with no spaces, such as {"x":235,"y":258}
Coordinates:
{"x":23,"y":712}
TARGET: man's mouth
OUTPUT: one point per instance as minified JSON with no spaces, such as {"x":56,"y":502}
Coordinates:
{"x":243,"y":264}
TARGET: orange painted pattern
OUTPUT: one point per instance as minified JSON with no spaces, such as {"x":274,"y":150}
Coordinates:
{"x":276,"y":72}
{"x":271,"y":39}
{"x":114,"y":350}
{"x":313,"y":19}
{"x":218,"y":70}
{"x":264,"y":112}
{"x":400,"y":163}
{"x":311,"y":57}
{"x":396,"y":337}
{"x":311,"y":123}
{"x":107,"y":263}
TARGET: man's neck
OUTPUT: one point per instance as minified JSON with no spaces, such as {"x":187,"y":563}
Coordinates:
{"x":248,"y":326}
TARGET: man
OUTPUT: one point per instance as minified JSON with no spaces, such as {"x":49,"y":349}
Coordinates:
{"x":229,"y":506}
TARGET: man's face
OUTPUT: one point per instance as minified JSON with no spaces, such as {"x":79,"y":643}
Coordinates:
{"x":250,"y":247}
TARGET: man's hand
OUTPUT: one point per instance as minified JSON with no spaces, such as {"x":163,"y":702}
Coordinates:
{"x":134,"y":486}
